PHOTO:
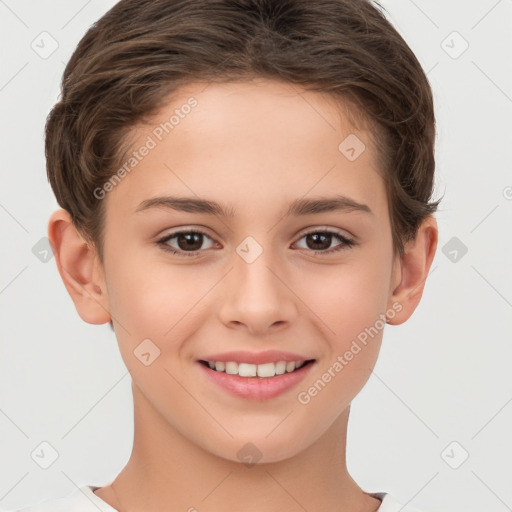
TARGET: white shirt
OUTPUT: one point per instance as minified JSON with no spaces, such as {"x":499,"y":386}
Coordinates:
{"x":84,"y":500}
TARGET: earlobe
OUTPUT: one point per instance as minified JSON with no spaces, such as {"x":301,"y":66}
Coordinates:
{"x":79,"y":268}
{"x":412,"y":271}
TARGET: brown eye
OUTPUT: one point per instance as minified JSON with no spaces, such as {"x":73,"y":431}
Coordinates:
{"x":321,"y":242}
{"x":187,"y":243}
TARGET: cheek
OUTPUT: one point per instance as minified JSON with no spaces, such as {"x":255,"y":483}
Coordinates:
{"x":156,"y":300}
{"x":348,"y":297}
{"x":350,"y":300}
{"x":350,"y":305}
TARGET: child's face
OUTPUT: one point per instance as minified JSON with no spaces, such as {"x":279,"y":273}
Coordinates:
{"x":253,"y":149}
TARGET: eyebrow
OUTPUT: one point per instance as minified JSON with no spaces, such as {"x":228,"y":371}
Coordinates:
{"x":296,"y":207}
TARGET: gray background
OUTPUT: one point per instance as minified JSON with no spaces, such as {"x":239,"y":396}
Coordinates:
{"x":441,"y":388}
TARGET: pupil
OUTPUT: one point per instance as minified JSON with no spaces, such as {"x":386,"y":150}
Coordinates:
{"x":193,"y":241}
{"x":323,"y":238}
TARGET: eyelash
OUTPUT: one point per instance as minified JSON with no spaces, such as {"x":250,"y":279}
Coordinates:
{"x":346,"y":243}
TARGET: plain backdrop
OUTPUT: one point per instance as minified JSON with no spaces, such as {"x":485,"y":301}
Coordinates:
{"x":432,"y":426}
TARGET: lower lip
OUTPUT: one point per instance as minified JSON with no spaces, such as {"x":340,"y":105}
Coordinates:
{"x":256,"y":388}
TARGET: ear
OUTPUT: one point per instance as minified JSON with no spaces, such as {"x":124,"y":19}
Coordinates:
{"x":80,"y":269}
{"x":411,"y":270}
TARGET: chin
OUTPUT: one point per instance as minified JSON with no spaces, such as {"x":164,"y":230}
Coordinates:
{"x":258,"y":451}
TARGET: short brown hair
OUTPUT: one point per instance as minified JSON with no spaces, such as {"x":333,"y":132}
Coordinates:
{"x":130,"y":61}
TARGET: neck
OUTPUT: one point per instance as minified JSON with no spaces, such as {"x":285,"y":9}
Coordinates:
{"x":167,"y":470}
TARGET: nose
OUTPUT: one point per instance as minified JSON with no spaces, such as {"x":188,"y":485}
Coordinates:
{"x":257,"y":296}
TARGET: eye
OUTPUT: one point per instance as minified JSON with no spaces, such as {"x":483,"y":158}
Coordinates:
{"x":320,"y":241}
{"x":188,"y":242}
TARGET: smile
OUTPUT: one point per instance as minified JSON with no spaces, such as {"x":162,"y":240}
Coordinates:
{"x":255,"y":381}
{"x":265,"y":370}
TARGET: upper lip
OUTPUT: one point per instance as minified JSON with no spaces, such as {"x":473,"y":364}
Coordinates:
{"x":268,"y":356}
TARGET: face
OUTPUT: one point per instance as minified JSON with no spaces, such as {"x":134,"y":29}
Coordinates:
{"x":245,"y":227}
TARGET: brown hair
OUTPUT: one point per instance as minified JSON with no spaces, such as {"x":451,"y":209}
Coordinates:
{"x":141,"y":51}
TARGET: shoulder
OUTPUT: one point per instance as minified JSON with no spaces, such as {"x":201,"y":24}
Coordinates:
{"x":82,"y":499}
{"x":391,"y":504}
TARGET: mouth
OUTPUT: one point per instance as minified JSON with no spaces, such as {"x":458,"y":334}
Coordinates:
{"x":262,"y":381}
{"x":261,"y":371}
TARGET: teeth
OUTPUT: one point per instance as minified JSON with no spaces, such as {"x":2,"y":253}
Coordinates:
{"x":253,"y":370}
{"x":247,"y":370}
{"x":231,"y":368}
{"x":266,"y":370}
{"x":280,"y":368}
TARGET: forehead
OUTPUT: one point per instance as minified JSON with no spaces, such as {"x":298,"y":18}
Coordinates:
{"x":257,"y":107}
{"x":261,"y":139}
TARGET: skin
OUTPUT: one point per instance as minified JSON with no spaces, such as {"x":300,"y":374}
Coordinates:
{"x":253,"y":147}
